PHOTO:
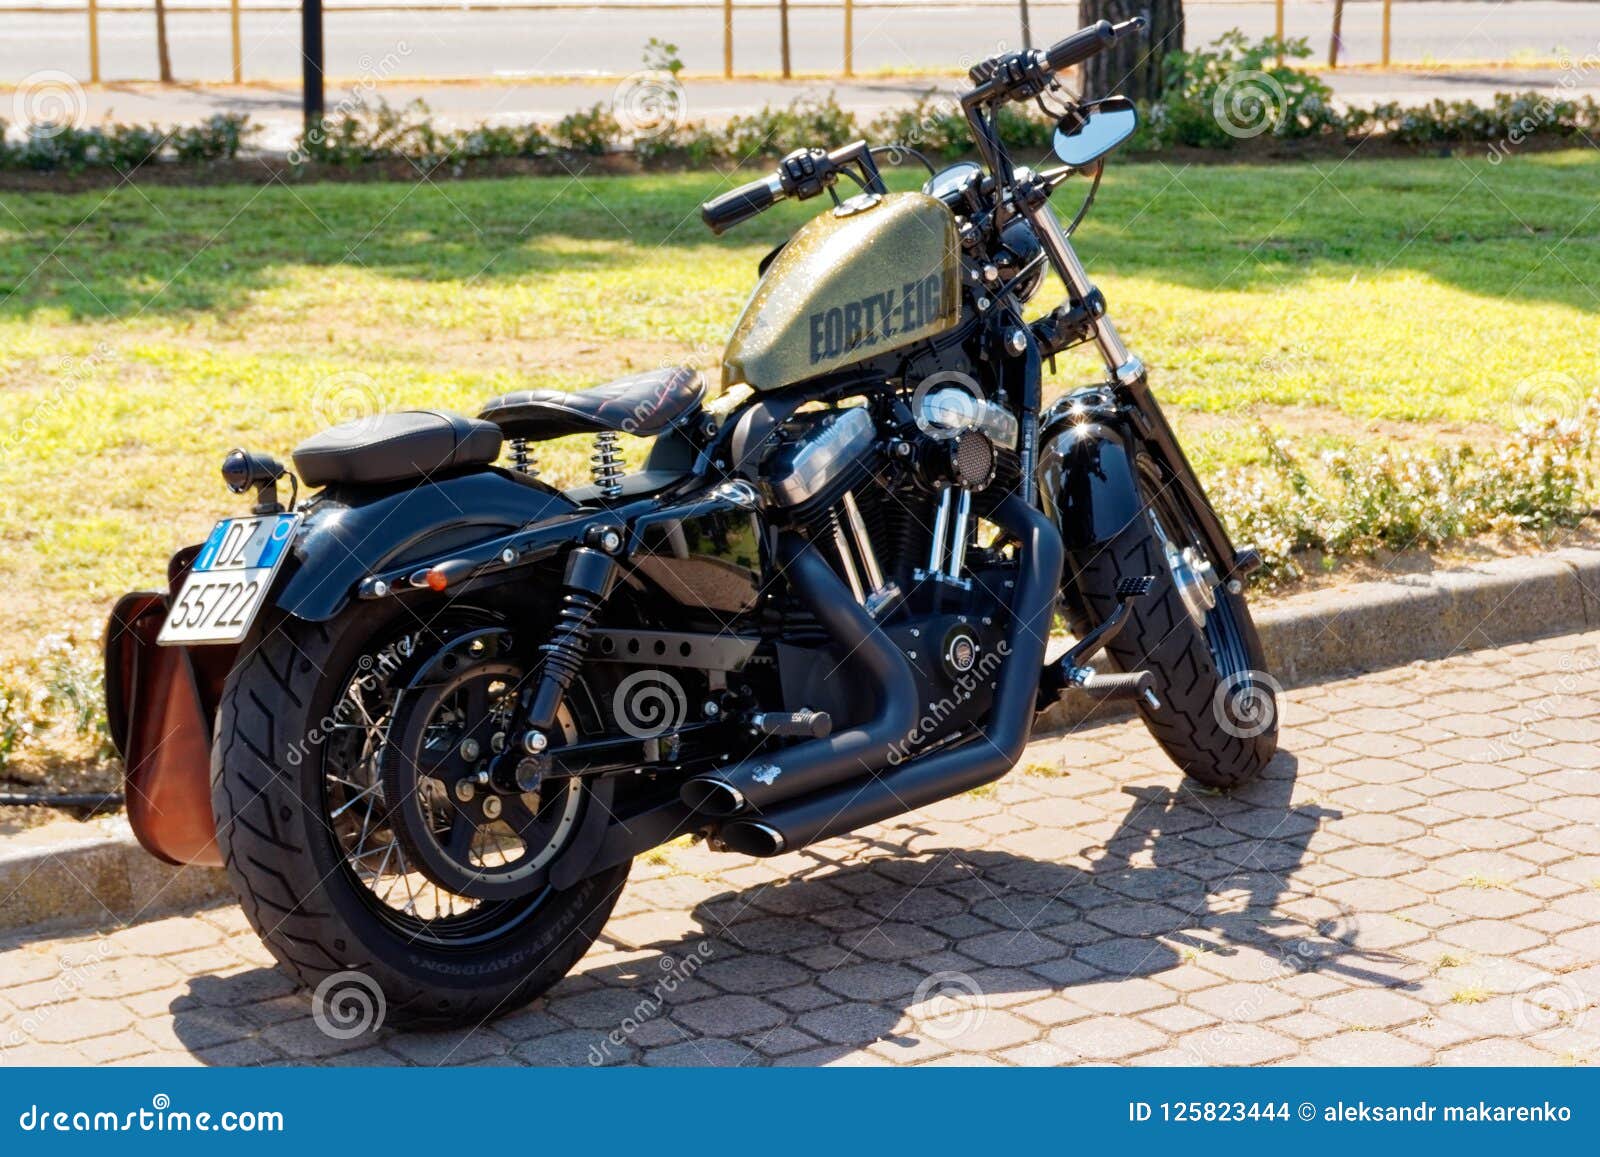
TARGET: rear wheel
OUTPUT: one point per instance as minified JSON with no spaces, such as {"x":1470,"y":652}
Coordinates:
{"x":314,"y":849}
{"x":1218,"y":719}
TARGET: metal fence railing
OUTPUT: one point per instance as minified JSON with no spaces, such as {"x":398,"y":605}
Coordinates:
{"x":736,"y":18}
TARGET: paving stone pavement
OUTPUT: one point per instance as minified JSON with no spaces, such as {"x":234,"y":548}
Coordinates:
{"x":1416,"y":880}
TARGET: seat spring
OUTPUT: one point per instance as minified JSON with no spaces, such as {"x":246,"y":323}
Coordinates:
{"x":605,"y":464}
{"x":522,"y":458}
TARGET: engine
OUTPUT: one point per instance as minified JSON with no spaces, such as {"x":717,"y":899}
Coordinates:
{"x":894,"y":502}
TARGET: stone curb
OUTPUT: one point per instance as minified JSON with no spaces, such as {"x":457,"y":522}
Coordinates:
{"x":72,"y":873}
{"x":1319,"y":635}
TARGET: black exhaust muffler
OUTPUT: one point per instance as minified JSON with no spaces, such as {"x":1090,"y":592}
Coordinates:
{"x":885,"y":792}
{"x":819,"y":763}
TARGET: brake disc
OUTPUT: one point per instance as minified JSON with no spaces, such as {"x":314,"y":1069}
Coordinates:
{"x":459,"y":828}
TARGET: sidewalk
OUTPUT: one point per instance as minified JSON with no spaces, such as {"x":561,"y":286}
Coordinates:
{"x":1415,"y":881}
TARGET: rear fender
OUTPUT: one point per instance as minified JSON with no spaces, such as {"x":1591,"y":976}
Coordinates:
{"x":161,"y":702}
{"x":352,"y":531}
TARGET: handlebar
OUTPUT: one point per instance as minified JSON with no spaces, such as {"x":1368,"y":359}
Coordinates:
{"x":1015,"y":76}
{"x":724,"y":212}
{"x":802,"y":174}
{"x":1082,"y":44}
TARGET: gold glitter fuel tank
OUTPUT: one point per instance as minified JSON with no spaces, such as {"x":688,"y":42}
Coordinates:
{"x":870,"y":275}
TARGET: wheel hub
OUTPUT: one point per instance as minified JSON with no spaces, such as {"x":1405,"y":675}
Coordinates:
{"x":1195,"y":578}
{"x":461,"y":826}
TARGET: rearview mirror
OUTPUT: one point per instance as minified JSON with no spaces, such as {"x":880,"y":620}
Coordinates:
{"x":1089,"y":133}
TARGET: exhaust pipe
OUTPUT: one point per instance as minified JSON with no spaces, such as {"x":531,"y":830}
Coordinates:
{"x":819,"y":763}
{"x":890,"y":791}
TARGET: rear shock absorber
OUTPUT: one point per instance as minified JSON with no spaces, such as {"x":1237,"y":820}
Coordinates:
{"x":588,"y":579}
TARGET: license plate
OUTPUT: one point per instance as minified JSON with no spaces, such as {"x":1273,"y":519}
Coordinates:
{"x":229,"y":580}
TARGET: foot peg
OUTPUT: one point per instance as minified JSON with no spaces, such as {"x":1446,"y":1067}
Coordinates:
{"x":802,"y":724}
{"x":1108,"y":688}
{"x":1068,"y":672}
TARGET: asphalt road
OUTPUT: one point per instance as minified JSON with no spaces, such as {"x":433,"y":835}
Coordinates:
{"x":510,"y":44}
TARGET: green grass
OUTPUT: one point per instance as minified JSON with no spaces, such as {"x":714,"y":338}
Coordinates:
{"x":145,"y":330}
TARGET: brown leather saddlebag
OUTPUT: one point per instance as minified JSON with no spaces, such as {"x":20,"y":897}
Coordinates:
{"x":161,"y":707}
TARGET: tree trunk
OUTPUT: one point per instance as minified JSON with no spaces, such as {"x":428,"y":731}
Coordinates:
{"x":163,"y":58}
{"x":1133,"y":66}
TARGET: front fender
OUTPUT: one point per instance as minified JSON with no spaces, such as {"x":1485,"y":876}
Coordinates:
{"x":351,"y":531}
{"x":1087,"y":482}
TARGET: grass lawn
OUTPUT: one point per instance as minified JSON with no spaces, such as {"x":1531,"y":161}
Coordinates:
{"x":146,"y":330}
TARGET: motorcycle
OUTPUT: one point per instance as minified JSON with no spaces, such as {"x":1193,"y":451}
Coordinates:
{"x":428,"y":715}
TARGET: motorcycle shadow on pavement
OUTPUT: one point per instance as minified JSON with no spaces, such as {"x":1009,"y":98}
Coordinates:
{"x":925,"y":938}
{"x":917,"y":939}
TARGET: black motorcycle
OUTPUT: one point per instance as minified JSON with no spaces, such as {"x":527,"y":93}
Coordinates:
{"x":446,"y":703}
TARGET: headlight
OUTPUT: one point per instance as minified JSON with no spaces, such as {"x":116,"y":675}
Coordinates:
{"x":1019,"y":245}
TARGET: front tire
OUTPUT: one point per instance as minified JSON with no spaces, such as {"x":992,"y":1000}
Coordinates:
{"x":1218,"y":719}
{"x":292,"y":776}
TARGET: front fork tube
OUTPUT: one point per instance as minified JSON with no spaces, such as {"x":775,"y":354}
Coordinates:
{"x":1128,"y":373}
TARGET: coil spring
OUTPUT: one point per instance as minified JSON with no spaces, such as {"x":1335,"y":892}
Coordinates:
{"x":569,"y":639}
{"x":522,"y":458}
{"x":605,"y":464}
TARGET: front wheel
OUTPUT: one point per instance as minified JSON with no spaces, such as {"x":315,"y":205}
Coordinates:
{"x":1218,"y":718}
{"x":313,"y":848}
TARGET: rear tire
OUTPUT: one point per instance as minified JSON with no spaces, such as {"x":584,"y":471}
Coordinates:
{"x":1218,"y":719}
{"x":298,"y":883}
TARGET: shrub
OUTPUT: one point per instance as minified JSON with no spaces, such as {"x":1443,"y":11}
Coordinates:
{"x":934,"y":125}
{"x":772,"y":132}
{"x":1228,"y":91}
{"x":22,"y":714}
{"x":218,"y":138}
{"x":592,"y":131}
{"x":1355,"y":502}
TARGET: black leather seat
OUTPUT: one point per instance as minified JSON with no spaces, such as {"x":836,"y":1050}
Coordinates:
{"x":392,"y":447}
{"x":643,"y":404}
